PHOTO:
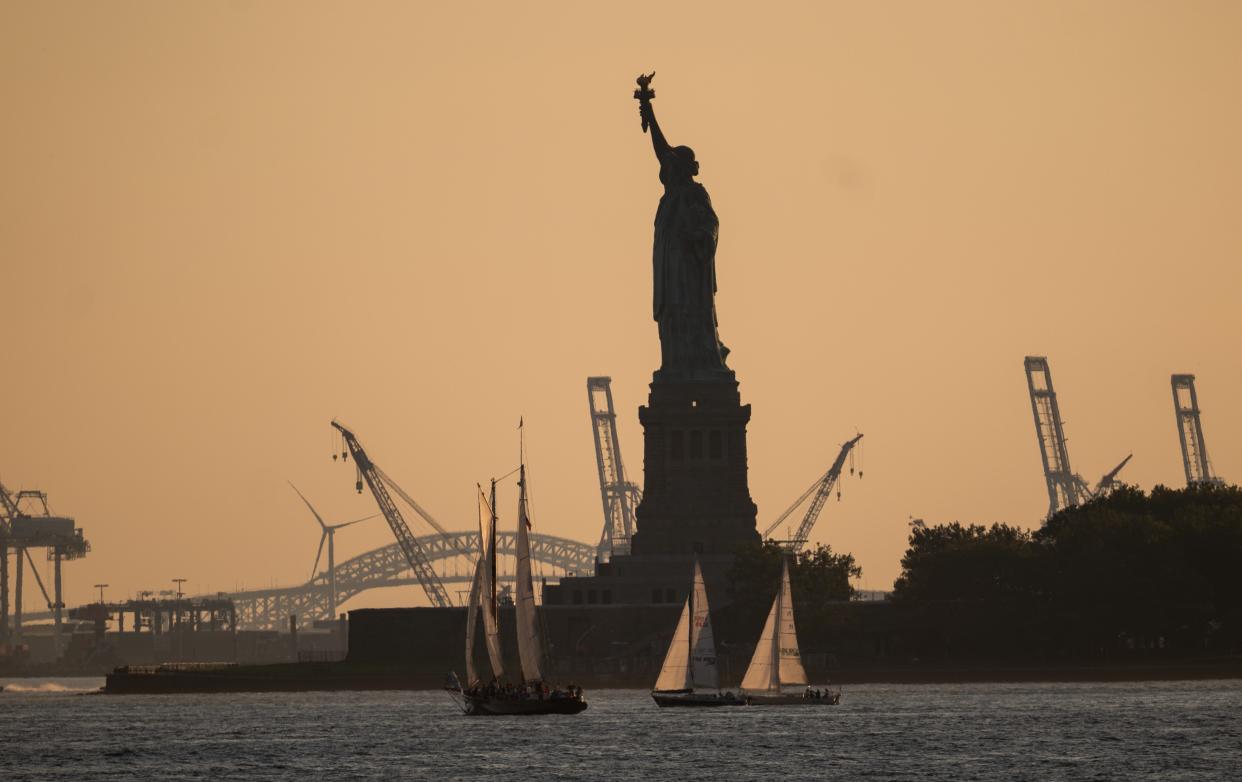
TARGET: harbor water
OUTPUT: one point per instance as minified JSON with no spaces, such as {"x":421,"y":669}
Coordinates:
{"x":60,"y":730}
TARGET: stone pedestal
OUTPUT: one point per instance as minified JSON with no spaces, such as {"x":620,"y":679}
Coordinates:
{"x":696,"y":501}
{"x":696,"y":497}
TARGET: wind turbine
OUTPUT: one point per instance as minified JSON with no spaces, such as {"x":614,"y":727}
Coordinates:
{"x":329,"y":534}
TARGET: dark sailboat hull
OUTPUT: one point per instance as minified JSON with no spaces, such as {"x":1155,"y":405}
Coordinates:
{"x":695,"y":699}
{"x":497,"y":707}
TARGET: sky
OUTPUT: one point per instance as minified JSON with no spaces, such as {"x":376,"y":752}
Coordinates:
{"x":224,"y":224}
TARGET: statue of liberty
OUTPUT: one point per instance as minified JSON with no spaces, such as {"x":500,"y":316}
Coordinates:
{"x":684,"y":261}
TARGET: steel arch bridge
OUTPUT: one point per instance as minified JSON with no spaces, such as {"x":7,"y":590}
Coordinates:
{"x":452,"y":554}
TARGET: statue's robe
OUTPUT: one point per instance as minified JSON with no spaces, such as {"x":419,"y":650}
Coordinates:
{"x":684,"y":258}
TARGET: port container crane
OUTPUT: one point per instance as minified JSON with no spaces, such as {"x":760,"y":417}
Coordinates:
{"x":409,"y":544}
{"x":821,"y":490}
{"x":620,"y":497}
{"x":1065,"y":487}
{"x":1190,"y":432}
{"x":28,"y":524}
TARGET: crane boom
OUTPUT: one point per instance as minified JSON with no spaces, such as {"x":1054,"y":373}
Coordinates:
{"x":822,"y":488}
{"x":449,"y":538}
{"x":1109,"y":481}
{"x":409,"y":544}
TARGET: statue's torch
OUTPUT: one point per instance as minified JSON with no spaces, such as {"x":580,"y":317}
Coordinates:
{"x":644,"y":94}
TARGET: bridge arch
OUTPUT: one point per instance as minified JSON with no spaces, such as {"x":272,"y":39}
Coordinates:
{"x":269,"y":609}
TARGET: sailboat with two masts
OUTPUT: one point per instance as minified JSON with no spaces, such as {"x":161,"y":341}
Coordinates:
{"x":689,"y":676}
{"x":533,"y":695}
{"x":777,"y":662}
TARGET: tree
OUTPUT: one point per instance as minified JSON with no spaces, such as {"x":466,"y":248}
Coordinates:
{"x":816,"y":577}
{"x":1128,"y":574}
{"x":956,"y":562}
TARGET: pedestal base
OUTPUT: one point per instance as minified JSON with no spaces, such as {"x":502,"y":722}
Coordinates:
{"x":696,"y":497}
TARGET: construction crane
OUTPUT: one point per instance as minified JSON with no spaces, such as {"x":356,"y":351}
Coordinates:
{"x":1065,"y":487}
{"x":821,"y":490}
{"x":1190,"y":432}
{"x":620,"y":497}
{"x":1109,"y":481}
{"x":409,"y":544}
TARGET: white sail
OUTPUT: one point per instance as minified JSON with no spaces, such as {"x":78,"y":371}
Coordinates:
{"x":529,"y":648}
{"x":675,"y":674}
{"x":702,"y":642}
{"x":791,"y":670}
{"x":777,"y":660}
{"x":764,"y":671}
{"x":491,"y":618}
{"x":472,"y":621}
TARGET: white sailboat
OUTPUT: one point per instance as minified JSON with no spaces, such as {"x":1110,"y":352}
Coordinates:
{"x":689,"y":676}
{"x":532,"y":695}
{"x":777,"y":662}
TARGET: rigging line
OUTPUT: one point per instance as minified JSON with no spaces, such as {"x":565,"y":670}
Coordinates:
{"x":506,"y":475}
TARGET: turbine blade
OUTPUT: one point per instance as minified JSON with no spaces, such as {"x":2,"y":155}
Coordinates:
{"x":355,"y":521}
{"x":318,"y":554}
{"x":318,"y":518}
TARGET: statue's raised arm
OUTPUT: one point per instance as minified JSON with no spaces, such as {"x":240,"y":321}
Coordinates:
{"x":644,"y":94}
{"x":683,"y":260}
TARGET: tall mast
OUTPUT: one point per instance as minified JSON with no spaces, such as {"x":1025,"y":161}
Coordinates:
{"x":521,"y":464}
{"x":780,"y":616}
{"x":492,"y":548}
{"x":530,"y":648}
{"x":690,"y":635}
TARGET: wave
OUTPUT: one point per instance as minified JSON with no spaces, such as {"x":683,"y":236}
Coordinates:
{"x":44,"y":687}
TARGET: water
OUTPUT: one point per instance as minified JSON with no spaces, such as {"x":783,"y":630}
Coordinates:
{"x":50,"y":730}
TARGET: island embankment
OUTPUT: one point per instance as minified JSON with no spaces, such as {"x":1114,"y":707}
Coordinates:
{"x":308,"y":677}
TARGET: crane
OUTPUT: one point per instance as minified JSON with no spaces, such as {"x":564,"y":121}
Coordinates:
{"x":822,"y":488}
{"x":29,"y":523}
{"x":1109,"y":481}
{"x":8,"y":510}
{"x":409,"y":544}
{"x":1065,"y":487}
{"x":1190,"y":432}
{"x":620,"y":497}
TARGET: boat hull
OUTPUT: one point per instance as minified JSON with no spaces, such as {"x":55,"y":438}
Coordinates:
{"x":695,"y":699}
{"x":499,"y":707}
{"x":829,"y":699}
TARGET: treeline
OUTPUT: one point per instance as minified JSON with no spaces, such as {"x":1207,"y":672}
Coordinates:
{"x":1130,"y":575}
{"x":817,"y":577}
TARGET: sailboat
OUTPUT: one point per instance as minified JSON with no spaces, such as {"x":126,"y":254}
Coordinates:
{"x":689,"y":676}
{"x":533,"y":695}
{"x":777,"y":662}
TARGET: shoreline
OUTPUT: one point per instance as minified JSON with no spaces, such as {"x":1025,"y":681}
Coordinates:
{"x":309,"y":677}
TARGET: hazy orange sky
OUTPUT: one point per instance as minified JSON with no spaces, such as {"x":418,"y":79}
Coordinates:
{"x":223,"y":224}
